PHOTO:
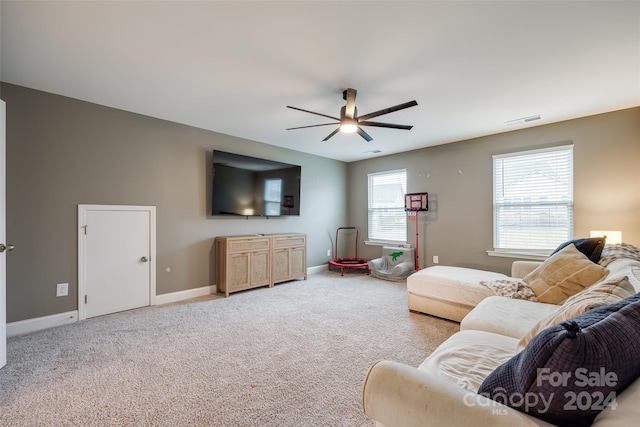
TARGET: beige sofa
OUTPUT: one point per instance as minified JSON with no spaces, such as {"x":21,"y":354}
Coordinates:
{"x":442,"y":391}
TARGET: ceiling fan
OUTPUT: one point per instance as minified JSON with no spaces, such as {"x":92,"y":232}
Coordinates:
{"x":350,"y":122}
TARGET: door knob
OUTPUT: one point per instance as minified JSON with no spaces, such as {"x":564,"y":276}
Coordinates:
{"x":8,"y":247}
{"x":144,"y":259}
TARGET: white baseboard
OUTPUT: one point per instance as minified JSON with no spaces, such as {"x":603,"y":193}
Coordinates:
{"x":209,"y":290}
{"x":44,"y":322}
{"x":38,"y":323}
{"x":317,"y":268}
{"x":186,"y":294}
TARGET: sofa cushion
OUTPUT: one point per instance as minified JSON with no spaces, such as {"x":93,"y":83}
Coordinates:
{"x":467,"y":357}
{"x":570,"y":372}
{"x":490,"y":315}
{"x":591,"y":246}
{"x":627,"y":411}
{"x":602,"y":293}
{"x":563,"y":274}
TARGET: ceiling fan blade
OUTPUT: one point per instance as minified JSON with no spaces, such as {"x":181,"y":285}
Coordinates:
{"x":312,"y":126}
{"x":385,"y":125}
{"x":350,"y":96}
{"x":388,"y":110}
{"x":332,"y":133}
{"x":363,"y":134}
{"x":312,"y":112}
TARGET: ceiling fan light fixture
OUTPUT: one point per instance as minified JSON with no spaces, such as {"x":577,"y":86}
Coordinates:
{"x":348,"y":126}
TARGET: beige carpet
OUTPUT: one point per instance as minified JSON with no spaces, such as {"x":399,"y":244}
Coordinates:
{"x":293,"y":355}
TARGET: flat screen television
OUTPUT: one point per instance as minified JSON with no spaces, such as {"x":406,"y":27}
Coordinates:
{"x":250,"y":186}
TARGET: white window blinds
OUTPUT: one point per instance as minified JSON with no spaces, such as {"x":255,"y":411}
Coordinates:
{"x":387,"y":219}
{"x":533,"y":199}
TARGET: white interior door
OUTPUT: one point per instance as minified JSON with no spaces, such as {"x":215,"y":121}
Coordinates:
{"x":118,"y":250}
{"x":3,"y":235}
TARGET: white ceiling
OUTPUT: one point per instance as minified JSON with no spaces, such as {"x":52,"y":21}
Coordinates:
{"x":233,"y":67}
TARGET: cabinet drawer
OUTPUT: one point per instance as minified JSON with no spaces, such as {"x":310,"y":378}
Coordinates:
{"x":287,"y":242}
{"x":248,"y":245}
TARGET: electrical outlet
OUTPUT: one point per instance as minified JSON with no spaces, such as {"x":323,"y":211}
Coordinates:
{"x":435,"y":259}
{"x":62,"y":289}
{"x":328,"y":252}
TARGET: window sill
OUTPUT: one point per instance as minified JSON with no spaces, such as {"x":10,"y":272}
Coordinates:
{"x":521,"y":255}
{"x":386,"y":243}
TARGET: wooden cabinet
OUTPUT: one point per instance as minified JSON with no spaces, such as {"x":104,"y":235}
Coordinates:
{"x":289,"y":257}
{"x":242,"y":262}
{"x":246,"y":262}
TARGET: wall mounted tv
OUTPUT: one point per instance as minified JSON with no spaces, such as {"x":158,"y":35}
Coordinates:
{"x":249,"y":186}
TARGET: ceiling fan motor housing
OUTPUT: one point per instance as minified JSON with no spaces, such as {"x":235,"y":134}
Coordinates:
{"x":343,"y":110}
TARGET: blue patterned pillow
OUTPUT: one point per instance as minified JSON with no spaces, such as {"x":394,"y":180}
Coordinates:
{"x":590,"y":246}
{"x":570,"y":372}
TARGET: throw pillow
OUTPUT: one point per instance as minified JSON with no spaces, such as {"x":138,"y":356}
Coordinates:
{"x":592,"y":247}
{"x":570,"y":372}
{"x":563,"y":274}
{"x":601,"y":294}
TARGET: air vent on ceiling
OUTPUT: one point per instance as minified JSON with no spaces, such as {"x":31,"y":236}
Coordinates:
{"x":524,"y":120}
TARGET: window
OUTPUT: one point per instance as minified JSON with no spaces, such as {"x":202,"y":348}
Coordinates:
{"x":533,"y":199}
{"x":387,"y":219}
{"x":272,"y":196}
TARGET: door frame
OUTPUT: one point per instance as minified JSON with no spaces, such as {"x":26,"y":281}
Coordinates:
{"x":3,"y":235}
{"x":82,"y":255}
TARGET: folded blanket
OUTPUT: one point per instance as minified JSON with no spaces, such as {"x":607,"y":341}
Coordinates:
{"x":611,"y":253}
{"x":511,"y":288}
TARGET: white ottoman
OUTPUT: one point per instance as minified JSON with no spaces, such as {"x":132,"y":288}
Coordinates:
{"x":448,"y":292}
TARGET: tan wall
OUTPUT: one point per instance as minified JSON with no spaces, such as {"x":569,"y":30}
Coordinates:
{"x":458,"y":178}
{"x":63,"y":152}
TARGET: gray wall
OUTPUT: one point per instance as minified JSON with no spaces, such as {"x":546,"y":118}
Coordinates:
{"x":63,"y":152}
{"x":458,"y":178}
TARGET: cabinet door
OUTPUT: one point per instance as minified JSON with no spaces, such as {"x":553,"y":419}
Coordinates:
{"x":238,"y":274}
{"x":260,"y":268}
{"x":281,"y":265}
{"x":298,"y":262}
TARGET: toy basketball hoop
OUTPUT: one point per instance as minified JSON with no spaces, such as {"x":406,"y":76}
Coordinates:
{"x":414,"y":203}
